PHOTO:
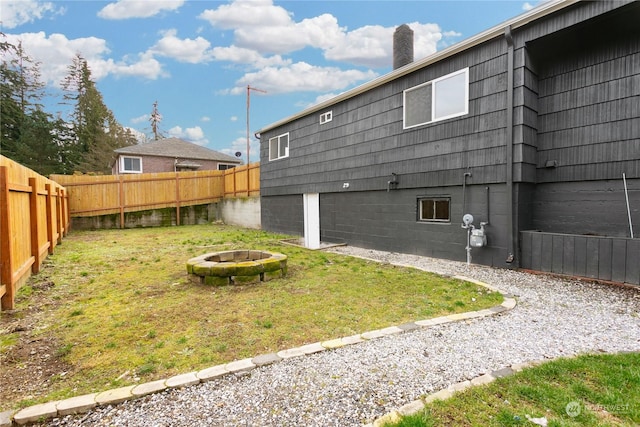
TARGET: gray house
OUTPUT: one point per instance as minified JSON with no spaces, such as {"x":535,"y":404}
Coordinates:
{"x":169,"y":155}
{"x":530,"y":131}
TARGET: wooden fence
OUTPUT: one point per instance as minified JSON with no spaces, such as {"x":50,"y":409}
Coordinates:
{"x":34,"y":216}
{"x":117,"y":194}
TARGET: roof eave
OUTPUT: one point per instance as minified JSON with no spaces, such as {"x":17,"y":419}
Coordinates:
{"x":496,"y":31}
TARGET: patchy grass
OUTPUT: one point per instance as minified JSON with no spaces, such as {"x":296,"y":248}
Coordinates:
{"x":591,"y":391}
{"x":122,"y":309}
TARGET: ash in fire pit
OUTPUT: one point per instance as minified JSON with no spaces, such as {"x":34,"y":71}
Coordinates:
{"x":236,"y":267}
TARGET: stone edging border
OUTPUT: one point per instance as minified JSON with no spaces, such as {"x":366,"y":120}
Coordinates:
{"x":84,"y":403}
{"x":444,"y":394}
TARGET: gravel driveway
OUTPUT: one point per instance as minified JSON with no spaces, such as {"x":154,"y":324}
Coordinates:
{"x":356,"y":384}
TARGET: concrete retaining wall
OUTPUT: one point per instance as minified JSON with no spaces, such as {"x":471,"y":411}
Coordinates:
{"x":243,"y":212}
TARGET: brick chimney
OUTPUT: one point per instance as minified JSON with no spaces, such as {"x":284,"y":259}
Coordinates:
{"x":402,"y":46}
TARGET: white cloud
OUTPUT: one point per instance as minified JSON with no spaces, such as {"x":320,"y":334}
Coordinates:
{"x":194,"y":134}
{"x":247,"y":56}
{"x":205,"y":119}
{"x":319,"y":32}
{"x":247,"y":14}
{"x":142,"y":119}
{"x":302,"y":77}
{"x":18,"y":12}
{"x":193,"y":51}
{"x":234,"y":118}
{"x":125,"y":9}
{"x":56,"y":52}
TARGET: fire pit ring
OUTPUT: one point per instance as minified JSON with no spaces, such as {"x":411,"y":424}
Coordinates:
{"x":237,"y":267}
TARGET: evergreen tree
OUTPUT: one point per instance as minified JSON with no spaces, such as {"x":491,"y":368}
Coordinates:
{"x":28,"y":135}
{"x":9,"y":107}
{"x":95,"y":129}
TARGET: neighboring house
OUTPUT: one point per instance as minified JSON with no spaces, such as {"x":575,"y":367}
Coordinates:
{"x":529,"y":125}
{"x":169,"y":155}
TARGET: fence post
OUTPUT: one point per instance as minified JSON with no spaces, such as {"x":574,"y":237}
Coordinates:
{"x":121,"y":198}
{"x":65,"y":212}
{"x":59,"y":214}
{"x":49,"y":218}
{"x":177,"y":199}
{"x":33,"y":222}
{"x":6,"y":276}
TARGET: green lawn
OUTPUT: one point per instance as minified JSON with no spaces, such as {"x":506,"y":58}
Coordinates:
{"x":123,"y":310}
{"x":587,"y":391}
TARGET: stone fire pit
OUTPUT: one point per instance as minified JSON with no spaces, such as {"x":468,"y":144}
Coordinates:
{"x":236,"y":267}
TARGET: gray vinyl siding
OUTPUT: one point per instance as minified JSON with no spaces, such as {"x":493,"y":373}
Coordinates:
{"x":365,"y":142}
{"x":576,"y":129}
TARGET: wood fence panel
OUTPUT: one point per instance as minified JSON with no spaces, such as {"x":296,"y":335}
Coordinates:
{"x":113,"y":194}
{"x":29,"y":227}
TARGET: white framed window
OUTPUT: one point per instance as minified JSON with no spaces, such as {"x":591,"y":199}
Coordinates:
{"x":326,"y":117}
{"x":130,"y":164}
{"x":279,"y":147}
{"x":434,"y":209}
{"x":225,"y":166}
{"x":439,"y":99}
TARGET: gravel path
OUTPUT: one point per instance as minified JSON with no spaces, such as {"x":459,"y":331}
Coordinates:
{"x":356,"y":384}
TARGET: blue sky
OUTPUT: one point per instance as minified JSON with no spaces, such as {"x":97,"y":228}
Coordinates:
{"x":196,"y":57}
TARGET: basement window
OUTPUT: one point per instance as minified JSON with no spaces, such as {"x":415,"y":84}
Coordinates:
{"x":439,"y":99}
{"x":435,"y":209}
{"x":326,"y":117}
{"x":130,"y":164}
{"x":279,"y":147}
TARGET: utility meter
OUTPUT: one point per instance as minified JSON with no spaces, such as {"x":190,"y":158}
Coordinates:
{"x":478,"y":238}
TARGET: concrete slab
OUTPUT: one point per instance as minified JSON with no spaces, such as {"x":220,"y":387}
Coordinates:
{"x":316,"y":347}
{"x":6,"y":418}
{"x":212,"y":373}
{"x":406,"y":327}
{"x":483,"y":379}
{"x":117,"y":395}
{"x":183,"y":380}
{"x":459,"y":386}
{"x":504,"y":372}
{"x":149,"y":388}
{"x":242,"y":365}
{"x":353,"y":339}
{"x":378,"y":333}
{"x":266,"y":359}
{"x":509,"y":303}
{"x":337,"y":343}
{"x":36,"y":412}
{"x":440,"y":395}
{"x":291,"y":352}
{"x":411,"y":408}
{"x":77,"y":405}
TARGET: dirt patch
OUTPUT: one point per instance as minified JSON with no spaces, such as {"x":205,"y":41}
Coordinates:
{"x":30,"y":360}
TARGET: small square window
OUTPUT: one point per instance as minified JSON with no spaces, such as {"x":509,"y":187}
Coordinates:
{"x":279,"y":147}
{"x":435,"y":209}
{"x":326,"y":117}
{"x":130,"y":164}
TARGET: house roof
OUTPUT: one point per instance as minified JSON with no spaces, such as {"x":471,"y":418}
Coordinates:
{"x":538,"y":12}
{"x":176,"y":148}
